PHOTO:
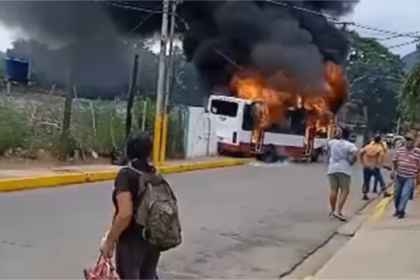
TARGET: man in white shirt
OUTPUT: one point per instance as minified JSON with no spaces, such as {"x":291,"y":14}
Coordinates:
{"x":342,"y":154}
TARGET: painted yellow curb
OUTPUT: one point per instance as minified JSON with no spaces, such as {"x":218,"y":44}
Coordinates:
{"x":380,"y":209}
{"x":170,"y":169}
{"x":57,"y":180}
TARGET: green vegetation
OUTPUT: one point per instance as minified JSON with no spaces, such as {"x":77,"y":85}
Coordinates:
{"x":409,"y":98}
{"x":375,"y":76}
{"x":28,"y":126}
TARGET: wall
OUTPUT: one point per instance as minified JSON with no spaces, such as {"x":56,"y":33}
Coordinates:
{"x":201,"y":140}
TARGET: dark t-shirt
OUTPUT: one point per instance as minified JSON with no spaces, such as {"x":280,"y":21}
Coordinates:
{"x":127,"y":180}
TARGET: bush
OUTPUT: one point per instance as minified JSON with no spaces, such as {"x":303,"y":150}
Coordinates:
{"x":96,"y":126}
{"x":15,"y":131}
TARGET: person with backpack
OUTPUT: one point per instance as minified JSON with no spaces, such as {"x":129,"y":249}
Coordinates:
{"x":146,"y":220}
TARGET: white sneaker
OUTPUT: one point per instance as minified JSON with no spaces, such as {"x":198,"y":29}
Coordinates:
{"x":339,"y":216}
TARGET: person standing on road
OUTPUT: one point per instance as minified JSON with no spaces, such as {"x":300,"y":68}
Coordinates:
{"x":342,"y":155}
{"x":135,"y":257}
{"x":379,"y":180}
{"x":372,"y":158}
{"x":405,"y":167}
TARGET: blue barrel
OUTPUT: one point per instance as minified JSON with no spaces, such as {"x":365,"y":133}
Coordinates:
{"x":17,"y":70}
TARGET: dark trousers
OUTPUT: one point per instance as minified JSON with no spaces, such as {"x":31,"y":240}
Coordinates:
{"x":368,"y":173}
{"x":136,"y":259}
{"x":379,"y":180}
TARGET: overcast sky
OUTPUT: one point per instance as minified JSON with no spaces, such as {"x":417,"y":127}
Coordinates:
{"x":394,"y":15}
{"x":399,"y":16}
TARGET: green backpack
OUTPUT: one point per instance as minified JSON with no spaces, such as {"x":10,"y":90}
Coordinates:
{"x":157,"y":211}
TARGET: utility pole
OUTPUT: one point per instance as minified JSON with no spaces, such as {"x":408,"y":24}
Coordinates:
{"x":131,"y":93}
{"x":344,"y":26}
{"x":168,"y":83}
{"x":65,"y":129}
{"x":160,"y":84}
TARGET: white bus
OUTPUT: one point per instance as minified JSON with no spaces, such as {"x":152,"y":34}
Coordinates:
{"x":233,"y":120}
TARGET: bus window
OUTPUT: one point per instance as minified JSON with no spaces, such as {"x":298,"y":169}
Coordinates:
{"x":297,"y":121}
{"x":248,"y":119}
{"x":294,"y":123}
{"x":224,"y":108}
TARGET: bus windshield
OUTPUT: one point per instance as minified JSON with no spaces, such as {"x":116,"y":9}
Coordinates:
{"x":224,"y":108}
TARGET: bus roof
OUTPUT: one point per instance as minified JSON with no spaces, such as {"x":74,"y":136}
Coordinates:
{"x":230,"y":99}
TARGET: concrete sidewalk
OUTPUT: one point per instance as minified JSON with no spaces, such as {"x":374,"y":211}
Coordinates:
{"x":22,"y":179}
{"x":28,"y":171}
{"x":385,"y":248}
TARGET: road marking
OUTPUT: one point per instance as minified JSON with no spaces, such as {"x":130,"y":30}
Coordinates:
{"x":61,"y":180}
{"x":380,"y":209}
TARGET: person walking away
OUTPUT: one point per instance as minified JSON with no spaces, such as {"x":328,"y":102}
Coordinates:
{"x":372,"y":158}
{"x":342,"y":155}
{"x":132,"y":232}
{"x":379,"y":180}
{"x":405,"y":167}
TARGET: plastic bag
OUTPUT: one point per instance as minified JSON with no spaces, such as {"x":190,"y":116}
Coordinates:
{"x":104,"y":270}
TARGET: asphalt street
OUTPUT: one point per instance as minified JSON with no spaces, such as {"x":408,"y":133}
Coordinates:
{"x":240,"y":222}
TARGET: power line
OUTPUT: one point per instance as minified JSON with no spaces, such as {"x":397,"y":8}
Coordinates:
{"x":279,"y":3}
{"x":404,"y":44}
{"x":337,"y":21}
{"x":388,"y":32}
{"x":330,"y":18}
{"x":411,"y":34}
{"x":127,"y":7}
{"x":144,"y":10}
{"x":276,"y":2}
{"x":145,"y":19}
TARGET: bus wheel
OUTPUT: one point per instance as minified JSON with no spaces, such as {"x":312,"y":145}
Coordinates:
{"x":315,"y":156}
{"x":269,"y":154}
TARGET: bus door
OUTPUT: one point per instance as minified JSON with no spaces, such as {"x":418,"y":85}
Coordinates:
{"x":250,"y":123}
{"x":224,"y":116}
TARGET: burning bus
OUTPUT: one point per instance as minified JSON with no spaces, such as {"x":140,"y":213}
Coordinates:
{"x":262,"y":120}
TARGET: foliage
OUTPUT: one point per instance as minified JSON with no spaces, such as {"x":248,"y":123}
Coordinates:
{"x":409,"y":97}
{"x":33,"y":124}
{"x":375,"y":75}
{"x":14,"y":130}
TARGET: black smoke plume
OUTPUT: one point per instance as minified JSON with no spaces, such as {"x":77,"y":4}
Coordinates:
{"x":269,"y":35}
{"x":218,"y":36}
{"x":75,"y":39}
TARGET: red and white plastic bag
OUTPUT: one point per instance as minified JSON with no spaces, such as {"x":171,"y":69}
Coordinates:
{"x":103,"y":270}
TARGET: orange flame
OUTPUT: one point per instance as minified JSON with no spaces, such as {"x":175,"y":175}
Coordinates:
{"x":273,"y":103}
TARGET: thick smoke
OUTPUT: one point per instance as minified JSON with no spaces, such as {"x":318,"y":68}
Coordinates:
{"x":270,"y":35}
{"x":70,"y":37}
{"x":219,"y":36}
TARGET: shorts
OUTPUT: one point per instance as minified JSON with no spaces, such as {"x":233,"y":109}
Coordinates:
{"x":339,"y":181}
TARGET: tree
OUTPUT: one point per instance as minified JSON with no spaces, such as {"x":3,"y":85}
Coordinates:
{"x":409,"y":97}
{"x":375,"y":76}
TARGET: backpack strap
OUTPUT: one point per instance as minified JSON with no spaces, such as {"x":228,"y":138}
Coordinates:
{"x":141,"y":183}
{"x":152,"y":178}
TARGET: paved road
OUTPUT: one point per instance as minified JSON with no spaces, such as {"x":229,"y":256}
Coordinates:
{"x":241,"y":222}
